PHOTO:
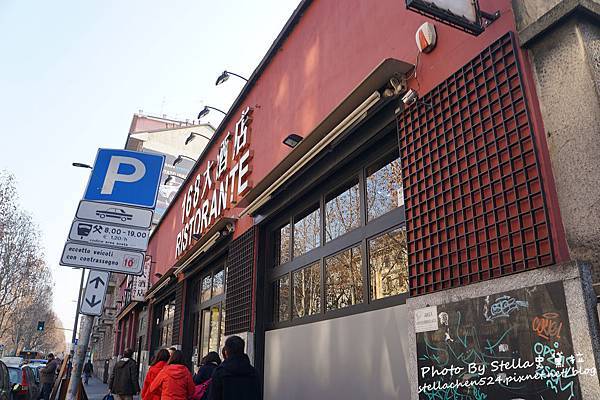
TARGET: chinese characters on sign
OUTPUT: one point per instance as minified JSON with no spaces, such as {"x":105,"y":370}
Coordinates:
{"x":219,"y":186}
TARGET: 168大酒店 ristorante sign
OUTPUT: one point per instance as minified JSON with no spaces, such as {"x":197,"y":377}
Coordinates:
{"x":218,"y":185}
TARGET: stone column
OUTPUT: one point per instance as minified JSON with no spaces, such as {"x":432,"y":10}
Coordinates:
{"x":563,"y":40}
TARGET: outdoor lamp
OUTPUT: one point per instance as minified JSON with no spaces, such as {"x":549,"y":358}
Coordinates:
{"x":192,"y":135}
{"x":207,"y":109}
{"x":292,"y":140}
{"x":180,"y":159}
{"x":81,"y":165}
{"x":225,"y":75}
{"x":170,"y":178}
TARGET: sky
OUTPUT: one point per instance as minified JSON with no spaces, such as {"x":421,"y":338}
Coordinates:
{"x":73,"y":73}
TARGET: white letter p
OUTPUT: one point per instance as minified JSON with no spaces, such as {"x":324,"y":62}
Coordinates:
{"x":113,"y":175}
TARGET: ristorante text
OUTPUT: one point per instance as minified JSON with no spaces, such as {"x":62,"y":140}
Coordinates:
{"x":219,"y":186}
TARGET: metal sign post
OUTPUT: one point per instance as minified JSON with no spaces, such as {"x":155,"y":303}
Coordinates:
{"x":110,"y":232}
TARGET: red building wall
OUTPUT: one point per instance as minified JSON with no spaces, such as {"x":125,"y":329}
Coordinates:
{"x":334,"y":46}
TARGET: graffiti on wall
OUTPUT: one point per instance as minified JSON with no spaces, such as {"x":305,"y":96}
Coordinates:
{"x":514,"y":345}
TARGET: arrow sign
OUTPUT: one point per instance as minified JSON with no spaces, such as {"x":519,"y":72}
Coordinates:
{"x":93,"y":302}
{"x":97,"y":281}
{"x":95,"y":291}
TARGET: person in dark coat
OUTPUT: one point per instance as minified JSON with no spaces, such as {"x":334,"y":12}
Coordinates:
{"x":208,"y":364}
{"x":202,"y":379}
{"x":48,"y":376}
{"x":235,"y":378}
{"x":124,"y":380}
{"x":88,"y":370}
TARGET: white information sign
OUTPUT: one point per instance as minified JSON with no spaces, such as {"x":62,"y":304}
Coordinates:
{"x":116,"y":214}
{"x":426,"y":319}
{"x":103,"y":234}
{"x":95,"y":292}
{"x":102,"y":258}
{"x":140,"y":283}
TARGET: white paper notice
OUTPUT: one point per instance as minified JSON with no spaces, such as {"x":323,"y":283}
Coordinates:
{"x":426,"y":319}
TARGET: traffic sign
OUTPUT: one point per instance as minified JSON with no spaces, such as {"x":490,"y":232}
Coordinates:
{"x":103,"y":234}
{"x":81,"y":255}
{"x":122,"y":215}
{"x":95,"y":291}
{"x":125,"y":177}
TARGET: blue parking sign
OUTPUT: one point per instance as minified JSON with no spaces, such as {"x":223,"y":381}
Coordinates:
{"x":125,"y":177}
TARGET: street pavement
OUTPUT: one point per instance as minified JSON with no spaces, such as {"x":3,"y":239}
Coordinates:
{"x":95,"y":389}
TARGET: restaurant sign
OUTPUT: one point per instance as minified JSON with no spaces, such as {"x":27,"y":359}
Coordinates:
{"x":218,"y":186}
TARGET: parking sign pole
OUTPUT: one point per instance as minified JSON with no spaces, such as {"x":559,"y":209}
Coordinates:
{"x":78,"y":306}
{"x":79,"y":357}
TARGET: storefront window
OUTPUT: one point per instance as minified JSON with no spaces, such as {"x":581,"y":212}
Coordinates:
{"x":388,"y":262}
{"x":205,"y":332}
{"x":307,"y":291}
{"x":360,"y":258}
{"x":215,"y":324}
{"x":384,"y":187}
{"x":282,"y":243}
{"x":206,"y":288}
{"x":165,"y":324}
{"x":282,"y":298}
{"x":218,"y":283}
{"x":344,"y":283}
{"x":342,"y":210}
{"x":307,"y":231}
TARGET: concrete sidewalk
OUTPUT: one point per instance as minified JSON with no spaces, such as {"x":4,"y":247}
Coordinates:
{"x":95,"y":389}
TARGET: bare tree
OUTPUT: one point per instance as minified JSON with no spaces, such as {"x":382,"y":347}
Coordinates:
{"x":25,"y":288}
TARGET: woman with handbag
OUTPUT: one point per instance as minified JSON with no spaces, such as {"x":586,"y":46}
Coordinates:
{"x":159,"y":362}
{"x":202,"y":379}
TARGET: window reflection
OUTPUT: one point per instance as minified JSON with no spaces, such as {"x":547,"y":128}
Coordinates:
{"x":218,"y":283}
{"x":282,"y":244}
{"x":388,"y":261}
{"x":307,"y":290}
{"x":384,"y":187}
{"x":205,"y":332}
{"x":342,"y":211}
{"x":281,"y":298}
{"x":344,"y":285}
{"x":213,"y":342}
{"x":307,"y":231}
{"x":206,"y":286}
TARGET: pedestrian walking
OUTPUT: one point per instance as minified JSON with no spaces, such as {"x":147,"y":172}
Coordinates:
{"x":202,"y":378}
{"x":175,"y":381}
{"x":235,"y":378}
{"x":105,"y":371}
{"x":160,"y":361}
{"x":48,"y":376}
{"x":124,"y":378}
{"x":88,"y":370}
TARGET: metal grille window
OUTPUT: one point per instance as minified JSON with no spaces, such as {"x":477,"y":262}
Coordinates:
{"x":348,"y":272}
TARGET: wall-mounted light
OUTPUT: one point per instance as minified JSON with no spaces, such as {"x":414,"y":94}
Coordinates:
{"x":193,"y":135}
{"x":180,"y":159}
{"x":225,"y":75}
{"x":207,"y":109}
{"x":170,"y":178}
{"x":81,"y":165}
{"x":292,"y":140}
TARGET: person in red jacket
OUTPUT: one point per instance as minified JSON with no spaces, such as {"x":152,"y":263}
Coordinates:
{"x":175,"y":381}
{"x":159,"y":362}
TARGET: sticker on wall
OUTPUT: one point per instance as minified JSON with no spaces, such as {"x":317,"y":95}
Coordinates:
{"x":511,"y":345}
{"x":426,"y":319}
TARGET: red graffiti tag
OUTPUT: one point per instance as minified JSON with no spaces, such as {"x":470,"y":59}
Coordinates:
{"x":547,"y":326}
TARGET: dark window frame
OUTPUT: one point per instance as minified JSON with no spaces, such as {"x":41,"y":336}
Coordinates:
{"x":359,"y":236}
